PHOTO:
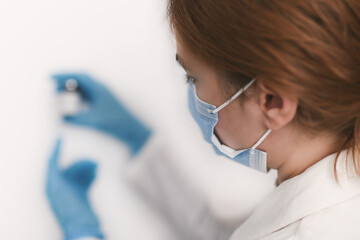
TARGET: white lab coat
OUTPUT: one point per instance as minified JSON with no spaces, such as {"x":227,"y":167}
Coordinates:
{"x":309,"y":206}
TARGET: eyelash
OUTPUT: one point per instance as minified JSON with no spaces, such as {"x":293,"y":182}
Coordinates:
{"x":189,"y":79}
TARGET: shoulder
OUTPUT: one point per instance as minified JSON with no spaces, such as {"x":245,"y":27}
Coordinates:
{"x":311,"y":205}
{"x":340,"y":221}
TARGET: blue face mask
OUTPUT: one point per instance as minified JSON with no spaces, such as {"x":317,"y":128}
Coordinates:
{"x":206,"y":116}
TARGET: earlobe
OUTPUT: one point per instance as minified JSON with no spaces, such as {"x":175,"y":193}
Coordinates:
{"x":278,"y":109}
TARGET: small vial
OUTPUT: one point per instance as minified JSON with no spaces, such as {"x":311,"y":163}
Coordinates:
{"x":70,"y":99}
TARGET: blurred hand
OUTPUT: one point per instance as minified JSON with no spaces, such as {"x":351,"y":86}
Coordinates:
{"x":67,"y":193}
{"x":105,"y":112}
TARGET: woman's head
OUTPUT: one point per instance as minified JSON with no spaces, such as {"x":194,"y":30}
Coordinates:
{"x":304,"y":54}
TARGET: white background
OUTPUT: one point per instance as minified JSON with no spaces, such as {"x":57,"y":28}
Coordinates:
{"x":124,"y":44}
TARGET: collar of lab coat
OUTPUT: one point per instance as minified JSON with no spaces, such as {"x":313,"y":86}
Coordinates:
{"x":313,"y":190}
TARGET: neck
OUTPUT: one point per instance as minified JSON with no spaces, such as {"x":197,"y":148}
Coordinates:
{"x":303,"y":154}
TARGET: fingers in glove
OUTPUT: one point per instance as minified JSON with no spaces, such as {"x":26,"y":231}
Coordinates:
{"x":54,"y":159}
{"x":86,"y":85}
{"x":83,"y":173}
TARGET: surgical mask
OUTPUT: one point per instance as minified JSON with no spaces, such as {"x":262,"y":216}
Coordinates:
{"x":206,"y":116}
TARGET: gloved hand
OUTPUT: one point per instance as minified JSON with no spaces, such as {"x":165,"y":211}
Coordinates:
{"x":67,"y":193}
{"x":105,"y":112}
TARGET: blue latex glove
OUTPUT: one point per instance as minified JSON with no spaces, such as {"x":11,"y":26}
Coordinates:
{"x":105,"y":112}
{"x":67,"y":193}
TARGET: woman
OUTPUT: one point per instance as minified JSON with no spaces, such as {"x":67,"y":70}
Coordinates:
{"x":275,"y":85}
{"x":303,"y":58}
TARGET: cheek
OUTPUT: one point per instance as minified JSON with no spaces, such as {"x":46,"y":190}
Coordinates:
{"x":209,"y":94}
{"x":239,"y":127}
{"x":230,"y":125}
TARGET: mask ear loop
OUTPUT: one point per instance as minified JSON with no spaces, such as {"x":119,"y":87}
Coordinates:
{"x":259,"y":141}
{"x":232,"y":98}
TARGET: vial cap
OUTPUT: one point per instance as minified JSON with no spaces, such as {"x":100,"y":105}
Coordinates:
{"x":71,"y":84}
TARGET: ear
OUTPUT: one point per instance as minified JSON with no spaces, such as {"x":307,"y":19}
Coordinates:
{"x":279,"y":109}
